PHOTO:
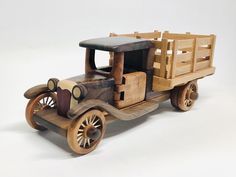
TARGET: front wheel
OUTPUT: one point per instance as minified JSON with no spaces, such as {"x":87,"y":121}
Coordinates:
{"x":41,"y":102}
{"x":85,"y":133}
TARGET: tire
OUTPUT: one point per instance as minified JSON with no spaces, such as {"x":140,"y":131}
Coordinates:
{"x":174,"y":97}
{"x":86,"y":132}
{"x":41,"y":102}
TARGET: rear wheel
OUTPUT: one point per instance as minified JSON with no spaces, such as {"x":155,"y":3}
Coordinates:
{"x":41,"y":102}
{"x":85,"y":133}
{"x":184,"y":97}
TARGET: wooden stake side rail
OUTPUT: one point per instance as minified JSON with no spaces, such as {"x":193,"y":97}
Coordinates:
{"x":177,"y":55}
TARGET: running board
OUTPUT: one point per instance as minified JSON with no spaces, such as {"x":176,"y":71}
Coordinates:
{"x":128,"y":113}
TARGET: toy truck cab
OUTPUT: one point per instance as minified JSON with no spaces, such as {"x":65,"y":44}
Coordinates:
{"x":130,"y":67}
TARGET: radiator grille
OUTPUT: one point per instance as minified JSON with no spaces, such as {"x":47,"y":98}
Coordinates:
{"x":63,"y":101}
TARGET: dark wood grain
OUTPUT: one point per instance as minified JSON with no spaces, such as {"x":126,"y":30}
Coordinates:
{"x":118,"y":67}
{"x":63,"y":101}
{"x":117,"y":44}
{"x":35,"y":91}
{"x":52,"y":121}
{"x":89,"y":60}
{"x":128,"y":113}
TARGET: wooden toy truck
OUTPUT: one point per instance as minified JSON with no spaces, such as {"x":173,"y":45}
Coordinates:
{"x":145,"y":69}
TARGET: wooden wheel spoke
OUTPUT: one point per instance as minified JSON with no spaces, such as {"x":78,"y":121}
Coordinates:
{"x":89,"y":142}
{"x":80,"y":130}
{"x":189,"y":102}
{"x":47,"y":100}
{"x":43,"y":100}
{"x":85,"y":142}
{"x":79,"y":134}
{"x":96,"y":126}
{"x":50,"y":101}
{"x":80,"y":141}
{"x":79,"y":138}
{"x":83,"y":125}
{"x":94,"y":123}
{"x":186,"y":102}
{"x":93,"y":118}
{"x":87,"y":121}
{"x":52,"y":104}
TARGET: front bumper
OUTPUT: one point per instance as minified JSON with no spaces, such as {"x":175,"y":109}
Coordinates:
{"x":51,"y":120}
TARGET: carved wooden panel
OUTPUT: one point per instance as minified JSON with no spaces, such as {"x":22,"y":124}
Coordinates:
{"x":132,"y":89}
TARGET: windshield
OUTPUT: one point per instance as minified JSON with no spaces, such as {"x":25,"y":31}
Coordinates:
{"x":102,"y":60}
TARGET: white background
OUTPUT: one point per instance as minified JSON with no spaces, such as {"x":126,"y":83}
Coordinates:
{"x":39,"y":40}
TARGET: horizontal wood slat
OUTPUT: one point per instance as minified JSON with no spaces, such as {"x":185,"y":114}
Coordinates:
{"x":183,"y":57}
{"x":183,"y":69}
{"x":187,"y":49}
{"x":158,"y":59}
{"x":149,"y":35}
{"x":181,"y":36}
{"x":181,"y":44}
{"x":202,"y":65}
{"x":157,"y":72}
{"x":203,"y":53}
{"x":204,"y":41}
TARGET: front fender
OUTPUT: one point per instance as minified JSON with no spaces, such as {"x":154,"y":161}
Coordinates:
{"x":35,"y":91}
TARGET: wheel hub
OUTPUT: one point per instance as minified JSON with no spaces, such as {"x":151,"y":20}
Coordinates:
{"x":93,"y":133}
{"x":194,"y":95}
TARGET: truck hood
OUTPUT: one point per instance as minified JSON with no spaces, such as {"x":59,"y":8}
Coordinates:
{"x":93,"y":86}
{"x":86,"y":78}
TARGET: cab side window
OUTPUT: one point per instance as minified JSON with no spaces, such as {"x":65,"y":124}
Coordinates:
{"x":135,"y":60}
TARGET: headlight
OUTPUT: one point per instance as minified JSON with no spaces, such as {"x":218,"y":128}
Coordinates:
{"x":76,"y":92}
{"x":52,"y":84}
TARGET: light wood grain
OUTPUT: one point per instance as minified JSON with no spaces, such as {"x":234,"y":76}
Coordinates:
{"x":132,"y":90}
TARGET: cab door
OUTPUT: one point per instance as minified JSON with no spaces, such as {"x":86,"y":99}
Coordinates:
{"x":132,"y":90}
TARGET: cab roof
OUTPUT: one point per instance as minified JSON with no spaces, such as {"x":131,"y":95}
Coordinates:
{"x":117,"y":44}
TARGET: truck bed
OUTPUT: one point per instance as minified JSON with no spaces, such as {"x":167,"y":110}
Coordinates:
{"x":179,"y":58}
